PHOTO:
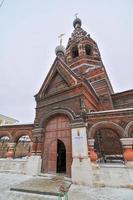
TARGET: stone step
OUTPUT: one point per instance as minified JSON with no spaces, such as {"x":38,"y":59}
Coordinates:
{"x":36,"y":192}
{"x":53,"y":186}
{"x":50,"y":176}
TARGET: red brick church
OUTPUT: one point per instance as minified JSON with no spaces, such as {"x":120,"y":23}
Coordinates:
{"x":77,"y":93}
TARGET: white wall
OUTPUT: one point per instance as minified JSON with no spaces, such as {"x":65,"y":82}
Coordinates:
{"x":113,"y":175}
{"x":30,"y":165}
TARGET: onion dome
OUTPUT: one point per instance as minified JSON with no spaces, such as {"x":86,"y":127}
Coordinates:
{"x":60,"y":50}
{"x":77,"y":23}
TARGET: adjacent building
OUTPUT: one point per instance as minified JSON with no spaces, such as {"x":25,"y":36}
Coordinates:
{"x":4,"y":120}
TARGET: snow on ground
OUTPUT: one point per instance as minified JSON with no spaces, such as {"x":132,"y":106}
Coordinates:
{"x":7,"y":180}
{"x":76,"y":192}
{"x":85,"y":193}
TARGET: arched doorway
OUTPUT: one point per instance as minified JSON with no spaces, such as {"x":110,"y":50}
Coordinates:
{"x":57,"y":150}
{"x":23,"y":146}
{"x":107,"y":145}
{"x":61,"y":157}
{"x":107,"y":141}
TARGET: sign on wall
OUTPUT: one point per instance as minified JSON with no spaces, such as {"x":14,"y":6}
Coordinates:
{"x":79,"y":142}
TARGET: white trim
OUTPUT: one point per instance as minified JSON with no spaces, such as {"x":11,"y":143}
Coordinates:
{"x":88,"y":65}
{"x":96,"y":80}
{"x":109,"y":111}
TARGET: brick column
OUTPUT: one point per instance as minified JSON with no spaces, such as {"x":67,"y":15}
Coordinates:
{"x":127,"y":144}
{"x":35,"y":160}
{"x":37,"y":141}
{"x":91,"y":151}
{"x":11,"y":150}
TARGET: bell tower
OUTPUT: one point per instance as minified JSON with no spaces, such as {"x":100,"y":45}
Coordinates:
{"x":81,"y":49}
{"x":83,"y":57}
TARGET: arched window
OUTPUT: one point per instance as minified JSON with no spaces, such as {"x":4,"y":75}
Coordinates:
{"x":75,"y":52}
{"x":88,"y":49}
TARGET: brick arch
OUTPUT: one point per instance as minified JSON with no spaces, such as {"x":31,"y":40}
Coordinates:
{"x":106,"y":125}
{"x":21,"y":133}
{"x":129,"y":125}
{"x":69,"y":113}
{"x":6,"y":133}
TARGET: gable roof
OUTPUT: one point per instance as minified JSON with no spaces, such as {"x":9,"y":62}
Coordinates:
{"x":60,"y":67}
{"x":10,"y":119}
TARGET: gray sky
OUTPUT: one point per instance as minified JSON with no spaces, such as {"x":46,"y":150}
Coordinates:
{"x":29,"y":32}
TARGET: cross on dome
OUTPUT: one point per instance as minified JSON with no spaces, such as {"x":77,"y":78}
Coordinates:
{"x":76,"y":14}
{"x":61,"y":37}
{"x":77,"y":21}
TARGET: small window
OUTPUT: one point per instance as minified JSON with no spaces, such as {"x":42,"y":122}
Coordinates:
{"x":88,"y":49}
{"x":75,"y":52}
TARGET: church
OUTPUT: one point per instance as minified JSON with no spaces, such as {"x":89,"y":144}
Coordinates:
{"x":79,"y":119}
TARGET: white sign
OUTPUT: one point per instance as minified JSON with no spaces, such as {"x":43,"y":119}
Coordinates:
{"x":79,"y":142}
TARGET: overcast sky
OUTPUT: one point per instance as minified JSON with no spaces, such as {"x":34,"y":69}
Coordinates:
{"x":29,"y":32}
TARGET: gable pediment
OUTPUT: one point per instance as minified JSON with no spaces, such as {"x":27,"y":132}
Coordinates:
{"x":57,"y":84}
{"x":60,"y":77}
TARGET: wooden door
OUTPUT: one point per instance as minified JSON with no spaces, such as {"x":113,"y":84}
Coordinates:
{"x":57,"y":128}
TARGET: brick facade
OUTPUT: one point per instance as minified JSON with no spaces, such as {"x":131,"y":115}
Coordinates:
{"x":77,"y":89}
